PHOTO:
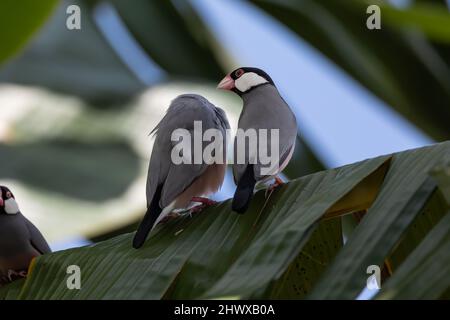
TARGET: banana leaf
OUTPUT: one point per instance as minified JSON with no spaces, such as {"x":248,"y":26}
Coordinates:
{"x":427,"y":218}
{"x":210,"y":255}
{"x":219,"y":254}
{"x":317,"y":254}
{"x":424,"y":274}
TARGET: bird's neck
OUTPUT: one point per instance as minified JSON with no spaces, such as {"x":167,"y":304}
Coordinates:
{"x":261,"y":91}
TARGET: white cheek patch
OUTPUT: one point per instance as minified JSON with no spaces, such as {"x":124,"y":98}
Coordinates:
{"x":11,"y":206}
{"x":248,"y":80}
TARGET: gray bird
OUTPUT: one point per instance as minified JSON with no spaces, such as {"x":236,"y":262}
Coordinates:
{"x":263,"y":108}
{"x":20,"y":240}
{"x":174,"y":185}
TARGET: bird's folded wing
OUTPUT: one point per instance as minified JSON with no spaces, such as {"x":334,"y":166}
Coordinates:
{"x":36,"y":238}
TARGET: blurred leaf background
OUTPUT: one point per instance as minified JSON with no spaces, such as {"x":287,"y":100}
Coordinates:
{"x":76,"y":106}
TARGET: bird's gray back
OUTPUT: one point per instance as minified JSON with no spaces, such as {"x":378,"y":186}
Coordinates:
{"x":181,"y":114}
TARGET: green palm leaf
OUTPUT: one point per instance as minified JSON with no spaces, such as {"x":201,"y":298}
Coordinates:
{"x":218,"y":253}
{"x":424,"y":275}
{"x":405,"y":191}
{"x":406,"y":67}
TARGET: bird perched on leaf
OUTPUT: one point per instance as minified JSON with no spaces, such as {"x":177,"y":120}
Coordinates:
{"x":263,"y":108}
{"x":20,"y":240}
{"x":173,"y":185}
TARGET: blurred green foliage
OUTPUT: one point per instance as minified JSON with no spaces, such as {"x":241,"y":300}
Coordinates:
{"x":19,"y":21}
{"x":95,"y":171}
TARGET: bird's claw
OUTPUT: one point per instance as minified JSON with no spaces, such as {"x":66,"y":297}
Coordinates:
{"x":14,"y":275}
{"x":204,"y":201}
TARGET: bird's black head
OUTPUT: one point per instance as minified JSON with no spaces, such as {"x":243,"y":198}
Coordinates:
{"x":244,"y":79}
{"x":8,"y":204}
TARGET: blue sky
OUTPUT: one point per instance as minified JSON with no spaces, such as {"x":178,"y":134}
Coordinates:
{"x":340,"y":119}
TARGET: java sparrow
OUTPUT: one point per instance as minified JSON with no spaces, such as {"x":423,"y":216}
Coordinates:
{"x":20,"y":240}
{"x":263,"y":108}
{"x":171,"y":186}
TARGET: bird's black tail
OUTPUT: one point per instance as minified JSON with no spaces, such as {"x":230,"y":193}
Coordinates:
{"x":244,"y":190}
{"x":153,"y":212}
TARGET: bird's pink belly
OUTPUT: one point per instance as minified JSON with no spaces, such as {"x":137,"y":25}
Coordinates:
{"x":209,"y":182}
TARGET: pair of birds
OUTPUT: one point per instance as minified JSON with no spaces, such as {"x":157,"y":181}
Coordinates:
{"x":171,"y":186}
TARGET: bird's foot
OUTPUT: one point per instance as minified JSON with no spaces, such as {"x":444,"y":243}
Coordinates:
{"x":278,"y":182}
{"x":204,"y":201}
{"x":14,"y":275}
{"x":197,"y":209}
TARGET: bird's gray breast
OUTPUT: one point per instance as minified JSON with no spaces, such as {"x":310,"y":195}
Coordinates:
{"x":264,"y":108}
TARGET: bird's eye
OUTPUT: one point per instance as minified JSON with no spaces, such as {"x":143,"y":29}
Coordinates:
{"x":8,"y":194}
{"x":239,"y":73}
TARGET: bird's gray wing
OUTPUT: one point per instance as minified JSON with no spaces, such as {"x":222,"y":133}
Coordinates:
{"x":181,"y":176}
{"x":182,"y":113}
{"x":157,"y":170}
{"x":267,"y":110}
{"x":239,"y":169}
{"x":286,"y":143}
{"x":36,"y":238}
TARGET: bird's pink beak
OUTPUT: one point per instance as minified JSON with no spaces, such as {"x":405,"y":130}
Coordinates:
{"x":227,"y":83}
{"x":1,"y":202}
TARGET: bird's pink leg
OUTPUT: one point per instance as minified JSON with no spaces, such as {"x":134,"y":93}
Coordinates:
{"x":205,"y":202}
{"x":278,"y":182}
